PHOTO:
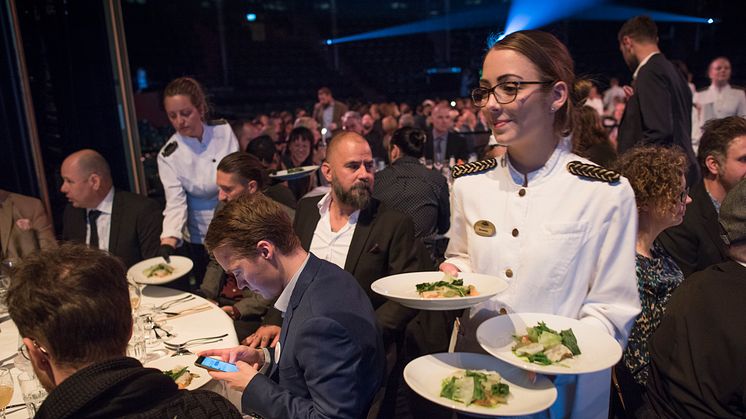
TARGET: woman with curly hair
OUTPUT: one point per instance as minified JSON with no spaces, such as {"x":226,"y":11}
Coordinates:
{"x":657,"y":177}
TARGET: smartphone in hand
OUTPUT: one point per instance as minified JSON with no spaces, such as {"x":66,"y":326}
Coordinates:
{"x":213,"y":364}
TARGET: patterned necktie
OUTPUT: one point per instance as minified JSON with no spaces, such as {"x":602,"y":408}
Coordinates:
{"x":92,"y":217}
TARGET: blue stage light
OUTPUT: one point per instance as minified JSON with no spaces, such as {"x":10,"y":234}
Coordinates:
{"x":328,"y":42}
{"x":710,"y":21}
{"x":251,"y":17}
{"x":622,"y":13}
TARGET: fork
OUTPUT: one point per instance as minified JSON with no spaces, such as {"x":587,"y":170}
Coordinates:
{"x":187,"y":310}
{"x":170,"y":303}
{"x":195,"y":341}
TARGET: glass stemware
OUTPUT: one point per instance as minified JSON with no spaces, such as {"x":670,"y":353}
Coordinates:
{"x":135,"y":295}
{"x":6,"y":389}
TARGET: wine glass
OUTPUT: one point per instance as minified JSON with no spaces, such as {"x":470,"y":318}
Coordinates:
{"x":6,"y":389}
{"x":135,"y":294}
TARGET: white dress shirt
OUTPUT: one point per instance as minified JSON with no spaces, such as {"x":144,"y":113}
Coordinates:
{"x":103,"y":222}
{"x":188,"y":177}
{"x":330,"y":245}
{"x":642,"y":63}
{"x":564,"y":244}
{"x":716,"y":103}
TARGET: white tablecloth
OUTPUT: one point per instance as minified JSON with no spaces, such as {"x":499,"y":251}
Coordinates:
{"x":212,"y":322}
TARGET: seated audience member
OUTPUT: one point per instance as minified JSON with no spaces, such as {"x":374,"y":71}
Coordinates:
{"x":245,"y":131}
{"x":72,"y":309}
{"x":697,"y":366}
{"x":331,"y":362}
{"x":657,"y":177}
{"x":443,"y":143}
{"x":408,"y":186}
{"x":126,"y":224}
{"x":263,"y":148}
{"x":696,"y":244}
{"x":238,"y":174}
{"x":589,"y":139}
{"x":299,"y":154}
{"x":24,"y":226}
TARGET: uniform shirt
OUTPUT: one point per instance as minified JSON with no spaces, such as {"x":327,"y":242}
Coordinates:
{"x":188,"y":176}
{"x":327,"y":244}
{"x":564,"y":244}
{"x":103,"y":222}
{"x":716,"y":103}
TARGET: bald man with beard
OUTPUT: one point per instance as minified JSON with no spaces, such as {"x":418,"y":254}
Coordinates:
{"x":127,"y":225}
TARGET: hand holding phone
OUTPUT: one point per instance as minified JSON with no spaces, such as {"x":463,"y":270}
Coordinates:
{"x":213,"y":364}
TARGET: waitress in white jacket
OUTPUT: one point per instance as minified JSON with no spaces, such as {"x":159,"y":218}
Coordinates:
{"x":564,"y":243}
{"x":187,"y":166}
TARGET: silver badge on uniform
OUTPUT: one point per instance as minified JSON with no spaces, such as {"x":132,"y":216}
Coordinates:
{"x":484,"y":228}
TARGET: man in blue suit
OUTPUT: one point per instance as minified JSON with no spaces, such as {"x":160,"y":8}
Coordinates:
{"x":329,"y":361}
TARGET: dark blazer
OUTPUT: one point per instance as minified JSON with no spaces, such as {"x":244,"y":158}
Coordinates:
{"x":383,"y":244}
{"x":136,"y":223}
{"x":331,"y":360}
{"x":659,"y":112}
{"x":695,"y":244}
{"x":456,"y":146}
{"x":697,"y":363}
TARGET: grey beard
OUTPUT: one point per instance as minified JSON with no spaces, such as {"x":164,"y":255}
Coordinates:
{"x":357,"y":197}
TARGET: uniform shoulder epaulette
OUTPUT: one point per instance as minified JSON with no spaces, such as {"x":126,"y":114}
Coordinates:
{"x":214,"y":122}
{"x":737,"y":87}
{"x":592,"y":171}
{"x":702,"y":89}
{"x":170,"y":148}
{"x":473,"y":167}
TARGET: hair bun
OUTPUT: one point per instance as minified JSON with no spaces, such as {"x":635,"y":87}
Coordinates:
{"x":580,"y":91}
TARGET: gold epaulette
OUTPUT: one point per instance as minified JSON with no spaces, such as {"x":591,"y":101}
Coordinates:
{"x":473,"y":167}
{"x":214,"y":122}
{"x":591,"y":171}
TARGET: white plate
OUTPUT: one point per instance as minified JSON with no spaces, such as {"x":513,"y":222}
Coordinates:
{"x":402,"y":289}
{"x":284,"y":175}
{"x":425,"y":374}
{"x":181,"y":265}
{"x":599,"y":350}
{"x":168,"y":363}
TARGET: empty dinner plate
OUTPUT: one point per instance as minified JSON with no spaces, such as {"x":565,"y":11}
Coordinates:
{"x":180,"y":265}
{"x":599,"y":350}
{"x":294,"y":173}
{"x":425,"y":374}
{"x":402,"y":288}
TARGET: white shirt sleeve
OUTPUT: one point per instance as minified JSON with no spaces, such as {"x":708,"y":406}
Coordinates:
{"x":175,"y":213}
{"x":457,"y":252}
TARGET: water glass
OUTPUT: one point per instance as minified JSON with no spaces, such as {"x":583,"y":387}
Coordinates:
{"x":33,"y":392}
{"x":136,"y":346}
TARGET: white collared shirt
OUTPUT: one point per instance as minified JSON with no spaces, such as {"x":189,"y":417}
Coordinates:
{"x":283,"y":301}
{"x":103,"y":222}
{"x":330,"y":245}
{"x":188,"y":177}
{"x":642,"y":63}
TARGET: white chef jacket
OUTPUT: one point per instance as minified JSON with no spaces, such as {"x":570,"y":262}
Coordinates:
{"x":188,"y":176}
{"x":716,"y":103}
{"x":564,"y":244}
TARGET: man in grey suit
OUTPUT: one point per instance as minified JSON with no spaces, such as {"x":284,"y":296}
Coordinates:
{"x":329,"y":360}
{"x":659,"y":112}
{"x":128,"y":225}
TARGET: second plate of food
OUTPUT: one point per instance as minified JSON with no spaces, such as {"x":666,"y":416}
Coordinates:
{"x":155,"y":271}
{"x":294,"y":173}
{"x":182,"y":370}
{"x":478,"y":384}
{"x":549,"y":344}
{"x":438,"y":291}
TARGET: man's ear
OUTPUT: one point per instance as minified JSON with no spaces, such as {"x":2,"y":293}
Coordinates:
{"x":252,"y":187}
{"x":326,"y":170}
{"x":265,"y":249}
{"x":95,"y":180}
{"x":713,"y":165}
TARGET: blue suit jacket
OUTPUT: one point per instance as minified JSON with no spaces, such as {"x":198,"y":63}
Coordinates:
{"x":332,"y":360}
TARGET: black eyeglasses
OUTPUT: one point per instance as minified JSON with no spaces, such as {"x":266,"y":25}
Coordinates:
{"x":504,"y":92}
{"x":24,"y":350}
{"x":683,"y":195}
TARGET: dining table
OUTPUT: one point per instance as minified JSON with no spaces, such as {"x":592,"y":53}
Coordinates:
{"x":193,"y":318}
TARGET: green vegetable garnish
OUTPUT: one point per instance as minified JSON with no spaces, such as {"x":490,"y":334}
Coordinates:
{"x":568,"y":339}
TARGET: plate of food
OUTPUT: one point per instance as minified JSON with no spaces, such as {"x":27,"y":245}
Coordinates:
{"x":438,"y":290}
{"x":549,"y":344}
{"x":181,"y":369}
{"x":478,"y":384}
{"x":293,"y":173}
{"x":155,"y":271}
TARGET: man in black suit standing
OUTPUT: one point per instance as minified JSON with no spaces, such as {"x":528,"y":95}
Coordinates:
{"x":126,"y":224}
{"x":659,"y":111}
{"x":695,"y":244}
{"x":442,"y":143}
